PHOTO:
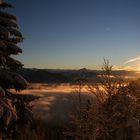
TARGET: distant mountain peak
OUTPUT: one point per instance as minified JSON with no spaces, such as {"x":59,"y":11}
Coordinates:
{"x":83,"y":69}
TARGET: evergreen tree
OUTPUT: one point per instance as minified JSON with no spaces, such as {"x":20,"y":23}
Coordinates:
{"x":14,"y":110}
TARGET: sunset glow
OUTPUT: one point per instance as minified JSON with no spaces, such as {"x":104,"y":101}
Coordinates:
{"x":70,"y":70}
{"x":72,"y":34}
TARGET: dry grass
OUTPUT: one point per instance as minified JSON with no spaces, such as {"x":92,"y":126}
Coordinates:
{"x":39,"y":130}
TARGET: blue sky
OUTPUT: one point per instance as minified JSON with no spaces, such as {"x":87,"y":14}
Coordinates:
{"x":79,"y":33}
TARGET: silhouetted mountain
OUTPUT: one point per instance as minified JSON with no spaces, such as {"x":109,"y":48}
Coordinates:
{"x":66,"y":76}
{"x":42,"y":76}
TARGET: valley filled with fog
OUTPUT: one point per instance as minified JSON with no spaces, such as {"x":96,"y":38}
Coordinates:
{"x":57,"y":101}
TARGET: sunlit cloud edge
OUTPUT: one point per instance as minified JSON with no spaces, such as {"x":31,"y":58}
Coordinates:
{"x":132,"y":60}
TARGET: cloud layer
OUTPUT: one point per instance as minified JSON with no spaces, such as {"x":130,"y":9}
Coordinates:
{"x":129,"y":68}
{"x":133,"y":60}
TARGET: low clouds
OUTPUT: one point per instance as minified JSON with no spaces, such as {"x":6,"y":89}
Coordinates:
{"x":128,"y":68}
{"x":133,"y":60}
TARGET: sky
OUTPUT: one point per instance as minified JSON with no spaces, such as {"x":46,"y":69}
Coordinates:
{"x":72,"y":34}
